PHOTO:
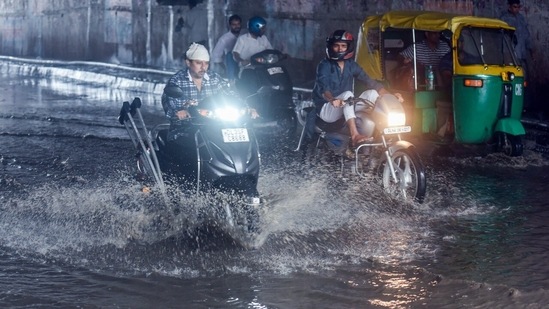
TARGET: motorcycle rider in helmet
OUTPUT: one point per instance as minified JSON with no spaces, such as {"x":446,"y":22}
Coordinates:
{"x":252,"y":42}
{"x":334,"y":83}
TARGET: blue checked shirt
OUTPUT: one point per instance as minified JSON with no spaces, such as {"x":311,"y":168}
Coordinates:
{"x":212,"y":84}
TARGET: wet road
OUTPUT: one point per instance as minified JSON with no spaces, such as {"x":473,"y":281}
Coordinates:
{"x":77,"y":232}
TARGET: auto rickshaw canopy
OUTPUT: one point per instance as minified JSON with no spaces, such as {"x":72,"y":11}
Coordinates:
{"x":433,"y":21}
{"x":368,"y":48}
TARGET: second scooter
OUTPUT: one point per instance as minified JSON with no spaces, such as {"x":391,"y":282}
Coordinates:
{"x":276,"y":104}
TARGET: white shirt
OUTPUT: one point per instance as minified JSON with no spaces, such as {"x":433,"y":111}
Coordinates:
{"x":246,"y":45}
{"x":224,"y":45}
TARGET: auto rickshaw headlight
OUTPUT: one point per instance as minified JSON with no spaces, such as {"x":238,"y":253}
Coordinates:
{"x":511,"y":76}
{"x":478,"y":83}
{"x":396,"y":119}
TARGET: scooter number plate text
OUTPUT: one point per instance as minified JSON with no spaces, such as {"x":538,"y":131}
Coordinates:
{"x":397,"y":130}
{"x":275,"y":70}
{"x":235,"y":135}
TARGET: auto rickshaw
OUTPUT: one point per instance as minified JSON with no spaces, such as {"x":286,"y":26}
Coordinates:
{"x":482,"y":100}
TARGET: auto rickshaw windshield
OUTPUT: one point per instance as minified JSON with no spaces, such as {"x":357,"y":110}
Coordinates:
{"x":485,"y":46}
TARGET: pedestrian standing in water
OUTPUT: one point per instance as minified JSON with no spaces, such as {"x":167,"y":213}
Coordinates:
{"x":523,"y":47}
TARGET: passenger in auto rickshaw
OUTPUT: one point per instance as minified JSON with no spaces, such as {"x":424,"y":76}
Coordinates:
{"x":428,"y":52}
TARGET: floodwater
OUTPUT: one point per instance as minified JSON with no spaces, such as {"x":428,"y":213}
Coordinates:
{"x":77,"y":232}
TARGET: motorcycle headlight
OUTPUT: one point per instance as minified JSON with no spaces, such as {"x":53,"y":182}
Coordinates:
{"x":396,"y":119}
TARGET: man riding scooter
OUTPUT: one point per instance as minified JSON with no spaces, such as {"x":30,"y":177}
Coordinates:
{"x":261,"y":69}
{"x":252,"y":42}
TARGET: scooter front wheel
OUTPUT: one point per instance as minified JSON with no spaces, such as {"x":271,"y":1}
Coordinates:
{"x":287,"y":124}
{"x":406,"y":180}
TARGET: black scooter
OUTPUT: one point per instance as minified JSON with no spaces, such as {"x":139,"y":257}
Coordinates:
{"x":213,"y":150}
{"x":275,"y":105}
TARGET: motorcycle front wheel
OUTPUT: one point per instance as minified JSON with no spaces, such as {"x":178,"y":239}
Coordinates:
{"x":410,"y":183}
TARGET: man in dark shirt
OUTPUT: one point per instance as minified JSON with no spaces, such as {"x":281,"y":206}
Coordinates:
{"x":334,"y":83}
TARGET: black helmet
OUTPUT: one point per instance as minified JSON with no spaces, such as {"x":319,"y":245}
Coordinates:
{"x":256,"y":24}
{"x":340,"y":36}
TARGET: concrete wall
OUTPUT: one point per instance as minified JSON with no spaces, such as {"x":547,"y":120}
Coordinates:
{"x":144,"y":33}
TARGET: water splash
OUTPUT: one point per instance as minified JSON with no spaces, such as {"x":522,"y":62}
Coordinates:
{"x":313,"y":220}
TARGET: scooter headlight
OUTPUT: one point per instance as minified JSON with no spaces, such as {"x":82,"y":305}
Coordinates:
{"x":396,"y":119}
{"x":227,"y":113}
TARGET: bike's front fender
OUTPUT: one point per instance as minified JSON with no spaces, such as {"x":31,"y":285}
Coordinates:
{"x":398,"y":145}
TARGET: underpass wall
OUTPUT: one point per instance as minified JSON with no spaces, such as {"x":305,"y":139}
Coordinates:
{"x":145,"y":33}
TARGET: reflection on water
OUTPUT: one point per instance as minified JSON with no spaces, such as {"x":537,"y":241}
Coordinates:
{"x":103,"y":95}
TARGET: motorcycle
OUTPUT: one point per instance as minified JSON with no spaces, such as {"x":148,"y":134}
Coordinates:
{"x":214,"y":150}
{"x":394,"y":161}
{"x":277,"y":104}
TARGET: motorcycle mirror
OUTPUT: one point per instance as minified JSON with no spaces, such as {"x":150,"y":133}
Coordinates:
{"x":173,"y":91}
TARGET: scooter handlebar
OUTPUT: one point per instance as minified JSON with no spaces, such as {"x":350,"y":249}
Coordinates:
{"x":124,"y":112}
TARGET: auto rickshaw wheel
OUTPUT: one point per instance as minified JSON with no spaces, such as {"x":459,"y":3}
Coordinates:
{"x":510,"y":145}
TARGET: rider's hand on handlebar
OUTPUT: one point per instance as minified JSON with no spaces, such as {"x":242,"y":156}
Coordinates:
{"x":253,"y":113}
{"x":182,"y":114}
{"x":337,"y":102}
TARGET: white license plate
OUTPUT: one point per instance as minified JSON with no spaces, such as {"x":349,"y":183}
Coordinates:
{"x":397,"y":130}
{"x":235,"y":135}
{"x":275,"y":70}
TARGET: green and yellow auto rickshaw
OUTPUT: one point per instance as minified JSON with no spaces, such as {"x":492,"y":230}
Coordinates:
{"x":480,"y":99}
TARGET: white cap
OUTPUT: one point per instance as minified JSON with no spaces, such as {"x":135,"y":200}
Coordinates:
{"x":197,"y":52}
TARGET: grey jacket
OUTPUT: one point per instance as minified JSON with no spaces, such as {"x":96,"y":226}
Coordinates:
{"x":524,"y":42}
